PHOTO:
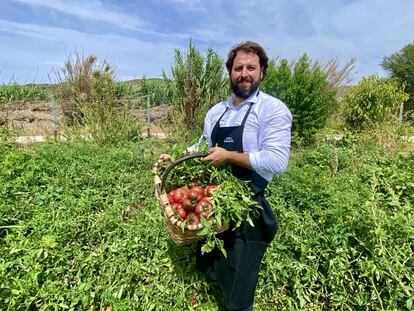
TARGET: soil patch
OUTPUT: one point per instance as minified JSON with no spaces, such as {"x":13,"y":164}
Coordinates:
{"x":37,"y":118}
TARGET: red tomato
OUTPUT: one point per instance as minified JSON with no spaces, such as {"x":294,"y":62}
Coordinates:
{"x":203,"y":209}
{"x":181,"y":212}
{"x":199,"y":197}
{"x":193,"y":195}
{"x":188,"y":204}
{"x":176,"y":206}
{"x":198,"y":189}
{"x":209,"y":190}
{"x":192,"y":218}
{"x":179,"y":195}
{"x":170,"y":198}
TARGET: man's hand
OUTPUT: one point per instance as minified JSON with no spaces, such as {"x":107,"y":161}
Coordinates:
{"x":219,"y":156}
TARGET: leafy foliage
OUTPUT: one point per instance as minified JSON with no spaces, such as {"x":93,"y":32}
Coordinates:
{"x":196,"y":83}
{"x":104,"y":120}
{"x":372,"y":101}
{"x":232,"y":199}
{"x":82,"y":229}
{"x":75,"y":83}
{"x":346,"y":234}
{"x":16,"y":92}
{"x":304,"y":88}
{"x":400,"y":65}
{"x":91,"y":108}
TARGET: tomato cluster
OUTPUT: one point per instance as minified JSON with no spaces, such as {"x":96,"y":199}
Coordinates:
{"x":192,"y":203}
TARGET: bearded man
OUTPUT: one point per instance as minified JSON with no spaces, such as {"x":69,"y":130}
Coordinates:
{"x":251,"y":131}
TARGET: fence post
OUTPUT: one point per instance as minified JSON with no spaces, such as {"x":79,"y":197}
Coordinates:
{"x":54,"y":117}
{"x":148,"y":115}
{"x":400,"y":118}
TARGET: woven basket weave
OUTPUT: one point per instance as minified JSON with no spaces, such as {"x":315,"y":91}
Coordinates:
{"x":180,"y":233}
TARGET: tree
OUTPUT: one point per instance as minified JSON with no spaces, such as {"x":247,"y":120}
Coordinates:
{"x":373,"y":100}
{"x":400,"y":65}
{"x":304,"y":89}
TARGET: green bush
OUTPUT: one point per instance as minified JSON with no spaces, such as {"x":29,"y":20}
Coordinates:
{"x":373,"y":100}
{"x":104,"y":120}
{"x":346,"y":236}
{"x":304,"y":88}
{"x":197,"y":82}
{"x":91,"y":96}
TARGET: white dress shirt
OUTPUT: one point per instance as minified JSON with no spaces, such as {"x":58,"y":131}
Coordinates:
{"x":267,"y":131}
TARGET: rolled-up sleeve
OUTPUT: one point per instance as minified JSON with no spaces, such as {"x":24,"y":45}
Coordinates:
{"x":274,"y":139}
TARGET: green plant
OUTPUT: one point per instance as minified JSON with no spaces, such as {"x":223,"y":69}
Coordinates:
{"x":157,"y":89}
{"x":339,"y":79}
{"x":232,"y":199}
{"x":345,"y":238}
{"x":103,"y":119}
{"x":16,"y":92}
{"x":81,"y":229}
{"x":373,"y":100}
{"x":400,"y":65}
{"x":92,"y":96}
{"x":196,"y":83}
{"x":305,"y":91}
{"x":75,"y":84}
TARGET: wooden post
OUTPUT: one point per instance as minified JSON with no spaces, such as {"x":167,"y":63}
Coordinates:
{"x":401,"y":112}
{"x":54,"y":117}
{"x":148,"y":115}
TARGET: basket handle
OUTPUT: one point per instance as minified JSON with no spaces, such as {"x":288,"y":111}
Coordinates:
{"x":176,"y":162}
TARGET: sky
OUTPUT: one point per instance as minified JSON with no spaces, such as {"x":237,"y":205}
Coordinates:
{"x":138,"y":38}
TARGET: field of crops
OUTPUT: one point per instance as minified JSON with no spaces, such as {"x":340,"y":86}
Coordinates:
{"x":81,"y":229}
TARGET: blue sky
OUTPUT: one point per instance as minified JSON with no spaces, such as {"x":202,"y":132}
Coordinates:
{"x":139,"y":37}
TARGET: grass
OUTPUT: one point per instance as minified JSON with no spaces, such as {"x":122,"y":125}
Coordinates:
{"x":18,"y":93}
{"x":81,"y":229}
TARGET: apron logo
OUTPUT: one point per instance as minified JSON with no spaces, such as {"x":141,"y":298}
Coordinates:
{"x":228,"y":140}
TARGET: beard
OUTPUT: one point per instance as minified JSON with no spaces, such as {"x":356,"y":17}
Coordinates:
{"x":244,"y":92}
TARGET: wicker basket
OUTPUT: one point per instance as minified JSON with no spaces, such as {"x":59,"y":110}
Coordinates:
{"x":180,"y":233}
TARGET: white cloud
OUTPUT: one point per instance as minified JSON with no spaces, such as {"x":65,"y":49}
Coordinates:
{"x":365,"y":29}
{"x":50,"y":46}
{"x":94,"y":10}
{"x":194,"y":5}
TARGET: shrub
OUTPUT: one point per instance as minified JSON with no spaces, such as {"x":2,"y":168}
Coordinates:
{"x":374,"y":100}
{"x":75,"y":84}
{"x":304,"y":88}
{"x":92,"y":94}
{"x":197,"y":82}
{"x":105,"y":121}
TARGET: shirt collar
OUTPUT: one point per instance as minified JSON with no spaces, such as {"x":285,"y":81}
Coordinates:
{"x":254,"y":98}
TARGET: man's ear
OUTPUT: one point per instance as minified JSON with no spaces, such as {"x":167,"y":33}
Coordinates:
{"x":261,"y":75}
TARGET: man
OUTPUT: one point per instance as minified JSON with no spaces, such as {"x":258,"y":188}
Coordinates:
{"x":251,"y":131}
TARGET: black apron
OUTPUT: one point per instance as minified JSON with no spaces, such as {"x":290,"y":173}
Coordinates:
{"x":238,"y":273}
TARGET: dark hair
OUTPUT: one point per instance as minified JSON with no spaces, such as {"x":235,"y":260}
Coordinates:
{"x":248,"y":47}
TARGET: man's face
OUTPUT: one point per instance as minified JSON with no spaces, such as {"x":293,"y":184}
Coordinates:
{"x":246,"y":74}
